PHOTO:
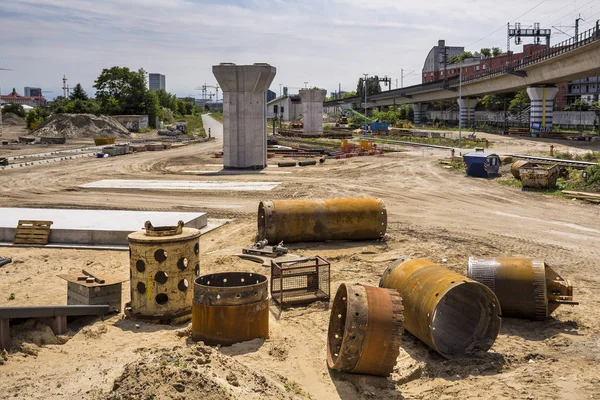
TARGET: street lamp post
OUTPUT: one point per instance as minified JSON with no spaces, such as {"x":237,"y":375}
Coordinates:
{"x":459,"y":105}
{"x":365,"y":84}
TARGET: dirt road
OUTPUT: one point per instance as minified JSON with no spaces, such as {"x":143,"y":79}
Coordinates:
{"x":432,"y":213}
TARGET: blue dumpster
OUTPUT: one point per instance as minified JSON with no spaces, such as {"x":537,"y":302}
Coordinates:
{"x":481,"y":165}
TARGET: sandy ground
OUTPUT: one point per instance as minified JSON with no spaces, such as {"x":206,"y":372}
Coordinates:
{"x":432,"y":213}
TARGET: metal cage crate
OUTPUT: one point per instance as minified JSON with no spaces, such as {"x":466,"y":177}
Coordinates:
{"x":300,"y":282}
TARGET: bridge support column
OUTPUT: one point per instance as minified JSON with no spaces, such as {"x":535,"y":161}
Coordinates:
{"x":541,"y":107}
{"x":244,"y":113}
{"x":419,"y":112}
{"x":467,"y":111}
{"x":312,"y":110}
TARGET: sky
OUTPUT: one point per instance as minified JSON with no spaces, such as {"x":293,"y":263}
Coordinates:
{"x":326,"y":43}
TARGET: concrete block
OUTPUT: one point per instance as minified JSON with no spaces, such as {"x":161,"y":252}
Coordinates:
{"x":312,"y":110}
{"x":244,"y":113}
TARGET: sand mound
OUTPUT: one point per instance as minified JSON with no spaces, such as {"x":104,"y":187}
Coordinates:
{"x":197,"y":372}
{"x":12,"y":119}
{"x":81,"y":126}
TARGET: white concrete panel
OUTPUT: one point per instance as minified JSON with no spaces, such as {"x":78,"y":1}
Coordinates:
{"x":98,"y":227}
{"x":180,"y":185}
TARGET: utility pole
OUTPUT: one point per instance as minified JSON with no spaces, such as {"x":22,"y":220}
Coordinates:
{"x":577,"y":27}
{"x":365,"y":84}
{"x":339,"y":90}
{"x":402,"y":77}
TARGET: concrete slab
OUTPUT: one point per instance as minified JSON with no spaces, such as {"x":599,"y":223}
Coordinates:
{"x":93,"y":227}
{"x":181,"y":185}
{"x":237,"y":172}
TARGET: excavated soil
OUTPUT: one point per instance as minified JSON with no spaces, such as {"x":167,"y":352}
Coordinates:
{"x":12,"y":119}
{"x":81,"y":126}
{"x":432,"y":213}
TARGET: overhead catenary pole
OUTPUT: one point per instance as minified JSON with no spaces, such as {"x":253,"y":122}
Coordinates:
{"x":365,"y":84}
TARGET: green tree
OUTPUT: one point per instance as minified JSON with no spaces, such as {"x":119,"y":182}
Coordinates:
{"x":496,"y":51}
{"x":78,"y":93}
{"x":465,"y":55}
{"x":487,"y":52}
{"x":15,"y":109}
{"x":347,"y":95}
{"x":520,"y":101}
{"x":151,"y":107}
{"x":454,"y":59}
{"x":491,"y":102}
{"x":580,"y":105}
{"x":372,"y":86}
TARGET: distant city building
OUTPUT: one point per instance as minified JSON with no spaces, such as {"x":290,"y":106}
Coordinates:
{"x":157,"y":81}
{"x":271,"y":95}
{"x":32,"y":91}
{"x":586,"y":88}
{"x":16,"y":98}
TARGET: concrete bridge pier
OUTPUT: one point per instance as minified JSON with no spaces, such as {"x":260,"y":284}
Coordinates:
{"x":541,"y":107}
{"x":467,"y":111}
{"x":419,"y":112}
{"x":244,"y":113}
{"x":312,"y":110}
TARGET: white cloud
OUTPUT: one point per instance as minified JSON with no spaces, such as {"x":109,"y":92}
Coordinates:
{"x":323,"y":42}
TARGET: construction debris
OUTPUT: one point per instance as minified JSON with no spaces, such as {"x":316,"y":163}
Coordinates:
{"x":89,"y":289}
{"x":365,"y":328}
{"x":163,"y":264}
{"x":525,"y":287}
{"x":454,"y":315}
{"x":591,"y":197}
{"x":261,"y":248}
{"x":300,"y":281}
{"x":319,"y":220}
{"x":514,"y":169}
{"x":538,"y":176}
{"x":230,"y":307}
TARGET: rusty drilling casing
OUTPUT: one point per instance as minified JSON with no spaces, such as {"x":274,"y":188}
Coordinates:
{"x":230,"y":307}
{"x":319,"y":220}
{"x":451,"y":313}
{"x":525,"y":287}
{"x":365,"y":328}
{"x":514,"y":168}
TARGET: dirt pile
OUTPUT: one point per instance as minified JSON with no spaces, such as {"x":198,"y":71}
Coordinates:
{"x":81,"y":126}
{"x":12,"y":119}
{"x":197,"y":372}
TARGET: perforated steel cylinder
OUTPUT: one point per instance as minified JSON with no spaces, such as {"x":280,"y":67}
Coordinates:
{"x":525,"y":287}
{"x":230,"y":307}
{"x":365,"y":329}
{"x":319,"y":220}
{"x":451,"y":313}
{"x":162,"y":270}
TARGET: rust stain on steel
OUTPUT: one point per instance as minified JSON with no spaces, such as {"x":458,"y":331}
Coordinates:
{"x":365,"y":329}
{"x":230,"y":307}
{"x":454,"y":315}
{"x":319,"y":220}
{"x":526,"y":287}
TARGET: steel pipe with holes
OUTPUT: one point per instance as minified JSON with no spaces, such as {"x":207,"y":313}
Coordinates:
{"x":319,"y":220}
{"x":230,"y":307}
{"x":365,"y":329}
{"x":452,"y":314}
{"x":525,"y":287}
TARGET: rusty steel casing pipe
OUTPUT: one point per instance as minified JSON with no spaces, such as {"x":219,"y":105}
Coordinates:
{"x":319,"y":220}
{"x":514,"y":168}
{"x":365,"y":329}
{"x":526,"y":287}
{"x":230,"y":307}
{"x":452,"y":314}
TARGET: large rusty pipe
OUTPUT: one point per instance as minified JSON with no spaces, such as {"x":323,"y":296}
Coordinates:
{"x":319,"y":220}
{"x":454,"y":315}
{"x":230,"y":307}
{"x":365,"y":327}
{"x":526,"y":287}
{"x":514,"y":169}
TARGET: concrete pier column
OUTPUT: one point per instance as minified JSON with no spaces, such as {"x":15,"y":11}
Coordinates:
{"x":419,"y":110}
{"x":541,"y":107}
{"x":312,"y":110}
{"x":467,"y":111}
{"x":244,"y":113}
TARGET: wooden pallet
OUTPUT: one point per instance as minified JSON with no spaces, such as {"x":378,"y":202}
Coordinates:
{"x":32,"y":232}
